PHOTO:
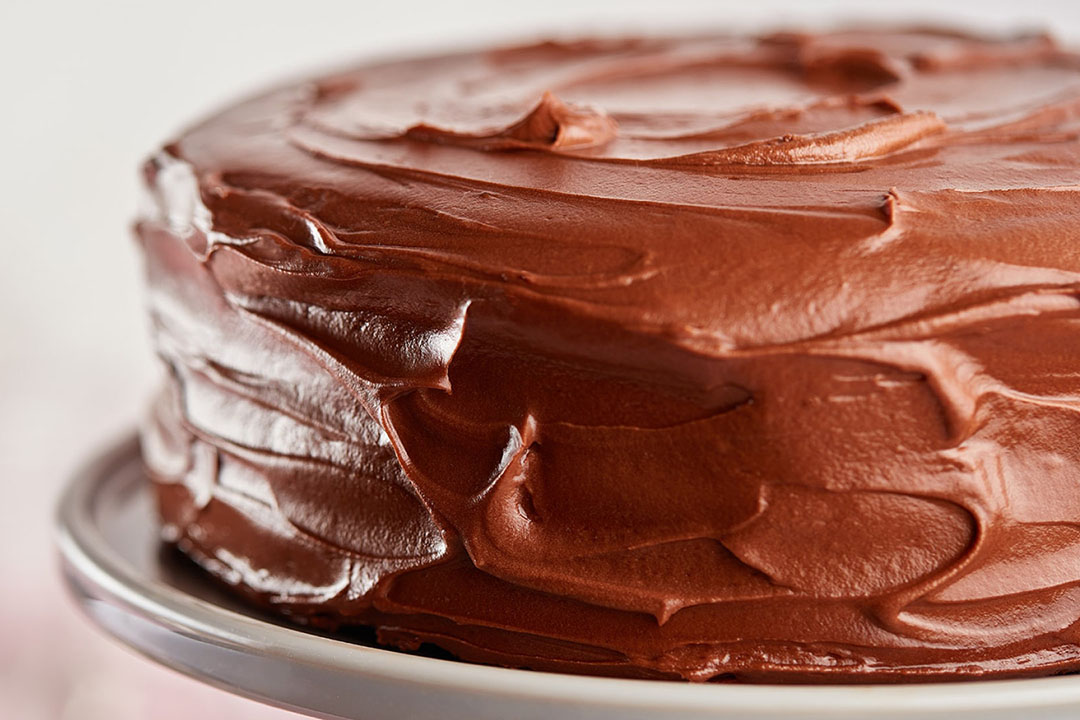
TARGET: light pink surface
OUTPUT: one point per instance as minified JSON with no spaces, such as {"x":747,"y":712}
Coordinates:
{"x":88,"y":88}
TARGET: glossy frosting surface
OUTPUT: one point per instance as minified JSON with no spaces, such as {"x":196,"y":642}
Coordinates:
{"x":701,"y":357}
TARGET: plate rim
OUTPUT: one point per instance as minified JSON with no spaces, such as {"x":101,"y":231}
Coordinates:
{"x":88,"y":558}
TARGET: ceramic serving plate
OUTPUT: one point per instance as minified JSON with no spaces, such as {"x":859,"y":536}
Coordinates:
{"x":148,"y":598}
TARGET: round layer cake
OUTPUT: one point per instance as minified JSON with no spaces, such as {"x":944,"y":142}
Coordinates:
{"x":697,"y":357}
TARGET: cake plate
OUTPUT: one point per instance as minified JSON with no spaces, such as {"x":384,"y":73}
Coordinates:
{"x":156,"y":603}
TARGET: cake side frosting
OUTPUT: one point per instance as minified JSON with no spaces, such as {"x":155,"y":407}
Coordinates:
{"x":697,"y":357}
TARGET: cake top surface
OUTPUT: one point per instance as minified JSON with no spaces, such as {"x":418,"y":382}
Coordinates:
{"x":631,"y":177}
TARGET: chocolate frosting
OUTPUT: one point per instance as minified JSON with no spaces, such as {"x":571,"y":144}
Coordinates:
{"x":698,"y":357}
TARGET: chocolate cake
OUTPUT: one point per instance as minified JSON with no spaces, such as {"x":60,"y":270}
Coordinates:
{"x":706,"y":358}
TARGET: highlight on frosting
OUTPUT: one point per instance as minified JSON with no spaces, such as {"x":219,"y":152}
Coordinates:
{"x":872,"y":139}
{"x":712,"y":358}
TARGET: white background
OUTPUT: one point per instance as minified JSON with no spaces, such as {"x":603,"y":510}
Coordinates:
{"x":86,"y":89}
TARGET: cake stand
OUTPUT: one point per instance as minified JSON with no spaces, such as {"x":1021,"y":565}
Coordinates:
{"x":150,"y":599}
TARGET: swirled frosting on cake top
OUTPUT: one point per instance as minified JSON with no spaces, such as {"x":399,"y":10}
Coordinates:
{"x":702,"y":357}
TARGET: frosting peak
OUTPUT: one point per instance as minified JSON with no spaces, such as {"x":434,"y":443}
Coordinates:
{"x":551,"y":124}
